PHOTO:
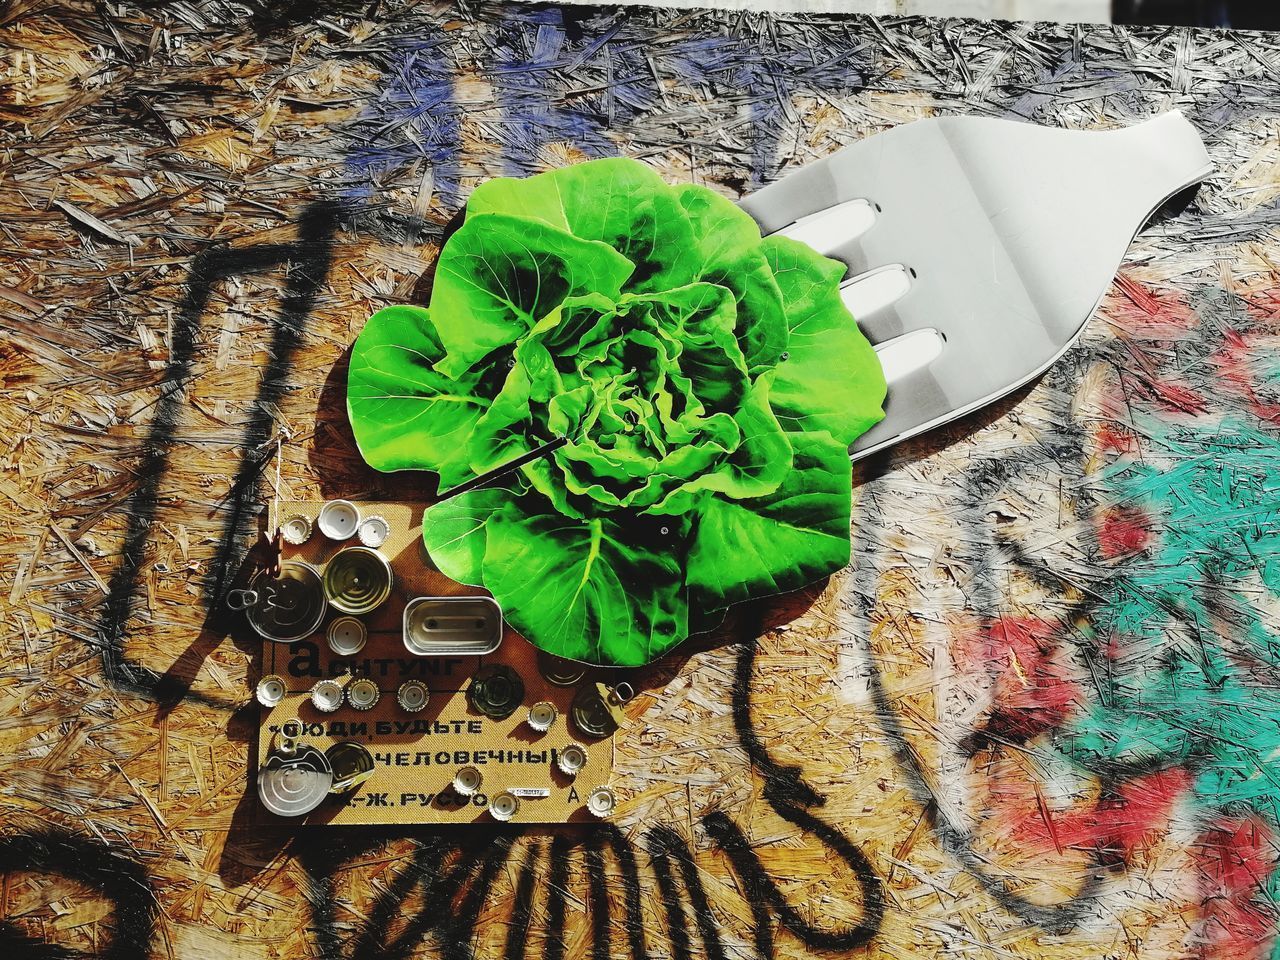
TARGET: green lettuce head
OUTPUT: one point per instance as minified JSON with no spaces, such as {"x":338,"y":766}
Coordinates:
{"x":709,"y":383}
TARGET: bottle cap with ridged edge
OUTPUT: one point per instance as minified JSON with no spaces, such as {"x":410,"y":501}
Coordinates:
{"x":363,"y":694}
{"x":601,"y":802}
{"x":467,"y":781}
{"x":296,"y":529}
{"x":571,"y":759}
{"x":413,"y":696}
{"x":542,"y":715}
{"x":374,"y":530}
{"x":326,"y":696}
{"x":504,"y":806}
{"x":270,"y":690}
{"x":347,"y":636}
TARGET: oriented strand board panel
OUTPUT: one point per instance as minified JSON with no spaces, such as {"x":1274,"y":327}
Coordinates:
{"x":1037,"y":715}
{"x":416,"y":755}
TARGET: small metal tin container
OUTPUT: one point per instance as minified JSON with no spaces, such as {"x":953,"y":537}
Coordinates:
{"x":357,"y":580}
{"x":347,"y":636}
{"x":285,"y":608}
{"x":413,"y":696}
{"x":352,"y":765}
{"x":363,"y":694}
{"x":373,"y":531}
{"x":601,"y":802}
{"x":270,"y":690}
{"x":326,"y":696}
{"x":496,"y":691}
{"x":542,"y":715}
{"x":467,"y":781}
{"x":338,"y":519}
{"x":571,"y":759}
{"x":504,"y":806}
{"x":452,"y":626}
{"x":296,"y":529}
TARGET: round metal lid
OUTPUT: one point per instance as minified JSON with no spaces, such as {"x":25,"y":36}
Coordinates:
{"x":295,"y":786}
{"x":289,"y":607}
{"x":296,"y":529}
{"x":496,"y":691}
{"x":347,"y":636}
{"x":559,"y":671}
{"x":357,"y":580}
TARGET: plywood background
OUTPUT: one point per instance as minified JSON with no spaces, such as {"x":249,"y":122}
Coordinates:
{"x":1037,"y":717}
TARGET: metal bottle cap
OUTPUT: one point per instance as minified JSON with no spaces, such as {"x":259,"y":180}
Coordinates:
{"x":363,"y":694}
{"x":413,"y":696}
{"x":542,"y":715}
{"x":347,"y":636}
{"x":504,"y":806}
{"x":352,"y":765}
{"x":326,"y":695}
{"x":357,"y":580}
{"x":374,"y":531}
{"x":467,"y":781}
{"x":271,"y":690}
{"x":601,"y":802}
{"x":338,"y":519}
{"x":559,"y":671}
{"x":296,"y":529}
{"x":294,"y":786}
{"x":572,"y":758}
{"x":496,"y":691}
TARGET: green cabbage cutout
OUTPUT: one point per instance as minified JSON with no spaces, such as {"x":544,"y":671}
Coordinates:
{"x":709,"y":383}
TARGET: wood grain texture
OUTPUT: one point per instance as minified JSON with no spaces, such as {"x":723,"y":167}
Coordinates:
{"x":1037,"y":717}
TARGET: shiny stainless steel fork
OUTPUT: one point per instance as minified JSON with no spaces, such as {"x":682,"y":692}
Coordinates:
{"x":977,"y":248}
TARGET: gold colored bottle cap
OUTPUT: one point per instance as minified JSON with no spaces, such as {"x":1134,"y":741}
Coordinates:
{"x":601,"y":802}
{"x":271,"y":690}
{"x":467,"y":781}
{"x":363,"y":694}
{"x":326,"y":696}
{"x":542,"y":715}
{"x":572,"y":758}
{"x":504,"y":806}
{"x":413,"y":696}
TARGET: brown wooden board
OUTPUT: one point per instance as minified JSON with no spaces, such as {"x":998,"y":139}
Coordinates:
{"x":417,"y":754}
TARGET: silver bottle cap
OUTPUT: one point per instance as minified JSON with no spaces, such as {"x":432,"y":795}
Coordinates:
{"x":542,"y":715}
{"x":413,"y":696}
{"x":363,"y":694}
{"x":572,"y":758}
{"x":467,"y":781}
{"x":374,"y":531}
{"x":270,"y":690}
{"x":326,"y":696}
{"x":601,"y":802}
{"x":504,"y":806}
{"x":296,"y":529}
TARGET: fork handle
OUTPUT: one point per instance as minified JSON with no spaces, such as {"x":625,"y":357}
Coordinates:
{"x":1158,"y":159}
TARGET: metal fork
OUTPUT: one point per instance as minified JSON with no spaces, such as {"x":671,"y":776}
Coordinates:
{"x":977,"y":248}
